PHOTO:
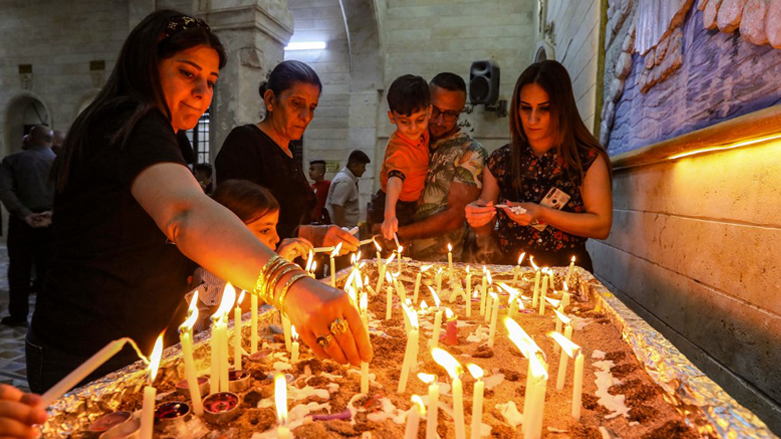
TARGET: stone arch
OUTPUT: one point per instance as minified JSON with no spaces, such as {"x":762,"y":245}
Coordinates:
{"x":83,"y":102}
{"x":26,"y":108}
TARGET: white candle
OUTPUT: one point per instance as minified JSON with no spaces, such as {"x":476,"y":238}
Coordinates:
{"x":539,"y":386}
{"x":433,"y":405}
{"x":280,"y":400}
{"x":186,"y":338}
{"x":81,"y":372}
{"x":444,"y":359}
{"x":364,"y":377}
{"x":562,"y":374}
{"x":577,"y":387}
{"x":224,"y":354}
{"x":565,"y":298}
{"x":450,"y":263}
{"x":483,"y":292}
{"x":494,"y":318}
{"x":294,"y":353}
{"x":148,"y":407}
{"x":237,"y":333}
{"x":417,"y":289}
{"x":400,"y":257}
{"x":570,"y":270}
{"x":364,"y":305}
{"x":537,"y":274}
{"x":253,"y":327}
{"x":214,"y":376}
{"x":477,"y":400}
{"x":468,"y":286}
{"x":389,"y":302}
{"x":410,"y":352}
{"x":488,"y":309}
{"x":518,"y":267}
{"x":286,"y":330}
{"x":413,"y":418}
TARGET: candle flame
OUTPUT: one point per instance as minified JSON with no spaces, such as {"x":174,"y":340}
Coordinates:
{"x":513,"y":292}
{"x":427,"y":377}
{"x":566,"y":288}
{"x":554,"y":302}
{"x":335,"y":253}
{"x":280,"y":397}
{"x":314,"y":266}
{"x":424,"y":268}
{"x":154,"y":359}
{"x":423,"y":305}
{"x":520,"y":303}
{"x":444,"y":359}
{"x":467,"y":269}
{"x":241,"y":298}
{"x":228,"y":297}
{"x":390,"y":259}
{"x":193,"y":303}
{"x":358,"y":257}
{"x":521,"y":257}
{"x":309,"y":261}
{"x":474,"y":295}
{"x":475,"y":370}
{"x":352,"y":259}
{"x":449,"y":314}
{"x":439,"y":270}
{"x":537,"y":368}
{"x":191,"y":318}
{"x":364,"y":302}
{"x":573,"y":259}
{"x":351,"y":292}
{"x":376,"y":244}
{"x":488,"y":275}
{"x":569,"y":347}
{"x":411,"y":315}
{"x":564,"y":319}
{"x":388,"y":276}
{"x":417,"y":402}
{"x":436,"y":298}
{"x":449,"y":247}
{"x":531,"y":260}
{"x":293,"y":332}
{"x":493,"y":296}
{"x":521,"y":339}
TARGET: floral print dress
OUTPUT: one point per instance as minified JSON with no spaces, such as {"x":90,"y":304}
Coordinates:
{"x":539,"y":175}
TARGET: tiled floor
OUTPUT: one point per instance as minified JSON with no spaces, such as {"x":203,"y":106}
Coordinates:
{"x":12,"y":366}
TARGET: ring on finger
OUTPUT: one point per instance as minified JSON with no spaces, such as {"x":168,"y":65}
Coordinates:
{"x":324,"y":340}
{"x":339,"y":326}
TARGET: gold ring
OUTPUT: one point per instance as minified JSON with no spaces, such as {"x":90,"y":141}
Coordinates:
{"x":339,"y":326}
{"x":324,"y":341}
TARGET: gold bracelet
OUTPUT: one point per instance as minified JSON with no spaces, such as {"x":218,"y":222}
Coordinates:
{"x":288,"y":284}
{"x":273,"y":262}
{"x":272,"y":285}
{"x":267,"y":294}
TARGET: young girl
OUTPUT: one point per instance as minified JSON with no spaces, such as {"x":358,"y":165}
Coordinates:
{"x":259,"y":211}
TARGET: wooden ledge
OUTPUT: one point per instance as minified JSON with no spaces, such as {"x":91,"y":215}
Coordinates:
{"x":757,"y":125}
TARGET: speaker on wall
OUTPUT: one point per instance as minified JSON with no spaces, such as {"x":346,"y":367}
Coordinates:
{"x":484,"y":82}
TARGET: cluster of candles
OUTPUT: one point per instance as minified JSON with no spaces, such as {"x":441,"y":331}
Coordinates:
{"x":357,"y":286}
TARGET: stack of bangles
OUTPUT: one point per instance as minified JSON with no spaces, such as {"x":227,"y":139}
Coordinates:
{"x":274,"y":270}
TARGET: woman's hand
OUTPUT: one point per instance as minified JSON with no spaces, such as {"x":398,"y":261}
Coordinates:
{"x":389,"y":227}
{"x":479,"y":213}
{"x":313,"y":307}
{"x":329,"y":236}
{"x":19,"y":412}
{"x":530,"y":217}
{"x":291,"y":248}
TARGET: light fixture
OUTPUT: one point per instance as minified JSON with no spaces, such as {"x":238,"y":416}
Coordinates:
{"x":306,"y":45}
{"x":725,"y":147}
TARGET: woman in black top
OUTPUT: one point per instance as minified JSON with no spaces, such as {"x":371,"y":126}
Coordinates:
{"x":554,"y":169}
{"x":130,"y":218}
{"x":261,"y":153}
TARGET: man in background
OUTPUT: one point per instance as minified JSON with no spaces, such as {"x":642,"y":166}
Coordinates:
{"x":28,"y":194}
{"x":320,"y":188}
{"x":342,"y":203}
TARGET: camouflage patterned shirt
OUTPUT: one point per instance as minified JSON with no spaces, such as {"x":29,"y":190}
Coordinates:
{"x":458,"y":158}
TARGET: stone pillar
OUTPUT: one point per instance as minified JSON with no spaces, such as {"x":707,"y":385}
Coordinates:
{"x":254,"y":33}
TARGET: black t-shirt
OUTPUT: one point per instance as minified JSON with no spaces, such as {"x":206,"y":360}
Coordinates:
{"x":249,"y":154}
{"x":113,"y":272}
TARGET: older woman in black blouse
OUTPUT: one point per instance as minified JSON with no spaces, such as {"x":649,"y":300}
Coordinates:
{"x":554,"y":169}
{"x":261,"y":153}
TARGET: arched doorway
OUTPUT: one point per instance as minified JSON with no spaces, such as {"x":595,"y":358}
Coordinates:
{"x":544,"y":51}
{"x":23,"y":112}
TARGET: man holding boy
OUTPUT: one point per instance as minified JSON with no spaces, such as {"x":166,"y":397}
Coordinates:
{"x":455,"y":176}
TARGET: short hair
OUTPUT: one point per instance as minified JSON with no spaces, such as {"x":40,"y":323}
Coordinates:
{"x":408,"y":94}
{"x":449,"y":81}
{"x":317,"y":162}
{"x":205,"y":168}
{"x":358,"y":157}
{"x":245,"y":199}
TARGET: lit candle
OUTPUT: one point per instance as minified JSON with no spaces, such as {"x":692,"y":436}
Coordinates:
{"x":437,"y":320}
{"x":314,"y":269}
{"x":364,"y":306}
{"x":518,"y":267}
{"x":438,"y":280}
{"x":237,"y":333}
{"x":400,"y":257}
{"x":399,"y":285}
{"x":334,"y":254}
{"x":453,"y":368}
{"x":577,"y":386}
{"x":561,"y":319}
{"x":219,"y":359}
{"x":417,"y":283}
{"x":280,"y":399}
{"x":484,"y":293}
{"x":477,"y":400}
{"x":294,"y":353}
{"x":469,"y":304}
{"x":253,"y":327}
{"x":494,"y":317}
{"x":539,"y":385}
{"x":537,"y":274}
{"x":529,"y":349}
{"x":409,"y":351}
{"x":287,"y":332}
{"x":148,"y":407}
{"x":383,"y":270}
{"x":488,"y":308}
{"x":514,"y":294}
{"x":186,"y":338}
{"x":309,"y":261}
{"x":413,"y":418}
{"x":450,"y":263}
{"x":389,"y":298}
{"x":433,"y":404}
{"x":543,"y":293}
{"x":379,"y":257}
{"x":468,"y":296}
{"x":570,"y":270}
{"x":565,"y":297}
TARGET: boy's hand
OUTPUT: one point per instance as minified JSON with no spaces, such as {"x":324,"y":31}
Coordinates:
{"x":389,"y":227}
{"x":291,"y":248}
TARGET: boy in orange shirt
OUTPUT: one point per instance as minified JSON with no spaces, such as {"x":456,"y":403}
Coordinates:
{"x":406,"y":157}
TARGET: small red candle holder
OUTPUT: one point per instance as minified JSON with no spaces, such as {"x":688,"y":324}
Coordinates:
{"x":220,"y":408}
{"x":183,"y":388}
{"x":171,"y":413}
{"x":121,"y":425}
{"x":109,"y":421}
{"x":238,"y":380}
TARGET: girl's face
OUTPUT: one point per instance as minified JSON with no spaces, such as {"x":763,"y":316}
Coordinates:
{"x":293,"y":109}
{"x":188,"y":79}
{"x":534,"y":111}
{"x":265,"y":229}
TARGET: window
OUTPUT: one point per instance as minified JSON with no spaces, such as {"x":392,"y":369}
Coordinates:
{"x":199,"y":138}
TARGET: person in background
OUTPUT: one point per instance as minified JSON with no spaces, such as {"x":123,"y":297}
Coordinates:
{"x":405,"y":165}
{"x":28,"y":194}
{"x":342,"y":201}
{"x":454,"y":179}
{"x":553,"y":169}
{"x":261,"y":153}
{"x":20,"y":413}
{"x":203,"y":173}
{"x":320,"y":187}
